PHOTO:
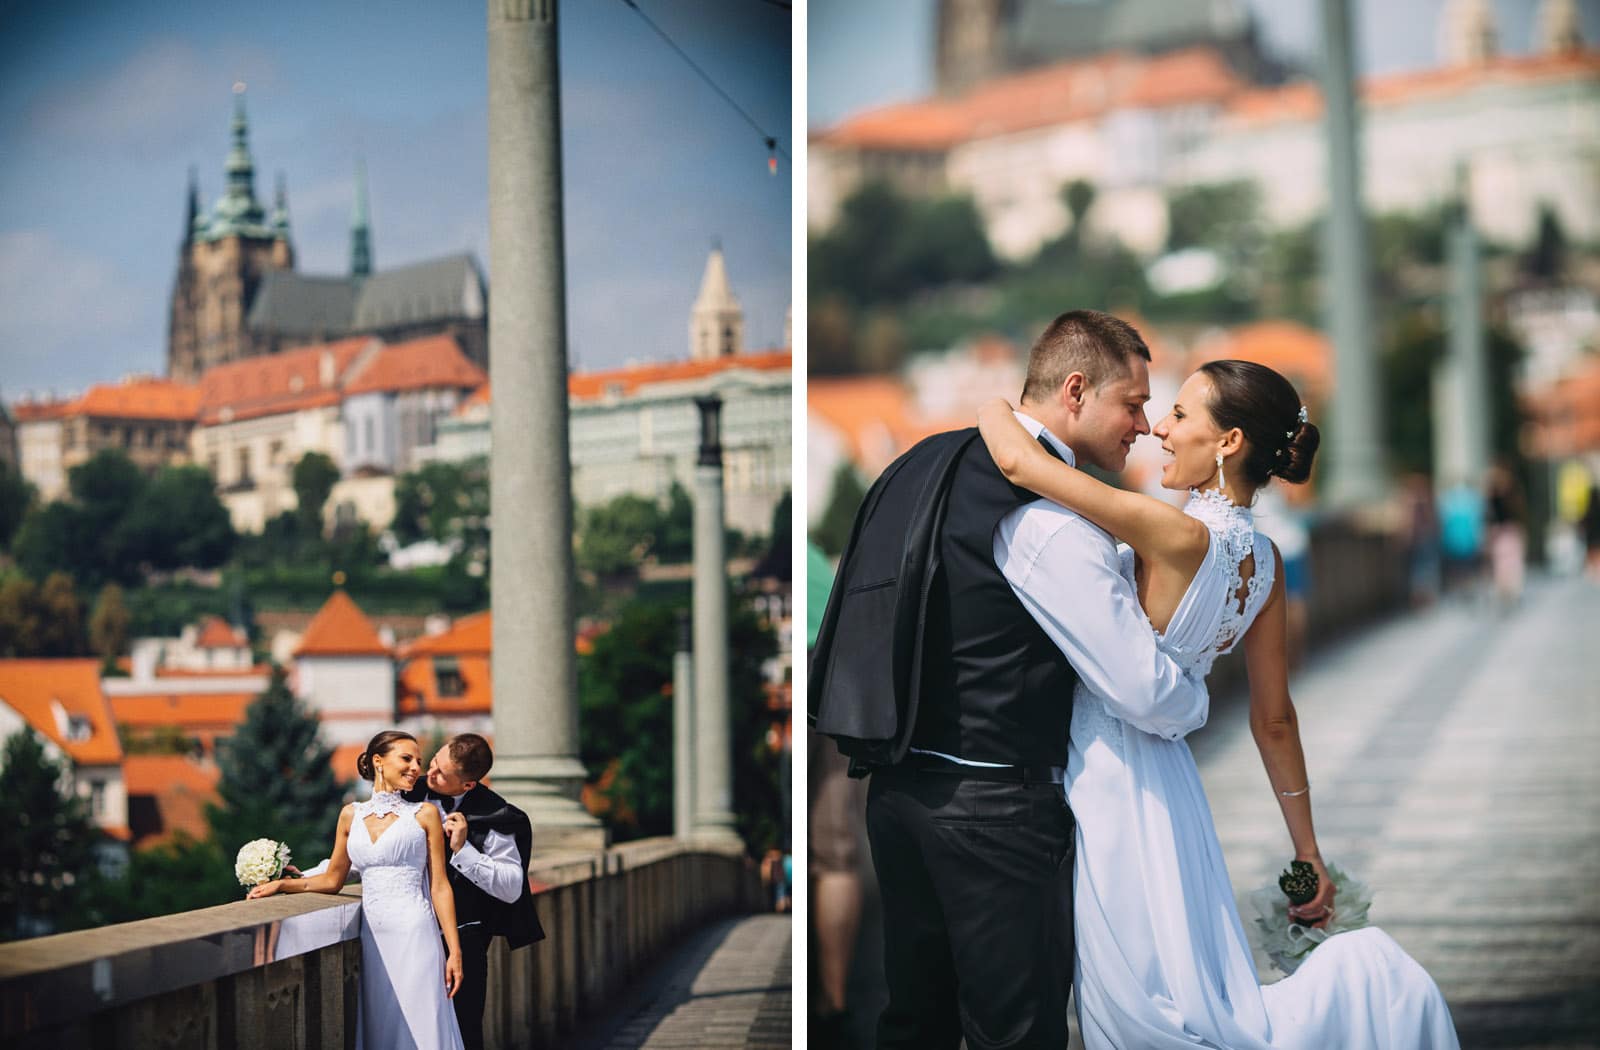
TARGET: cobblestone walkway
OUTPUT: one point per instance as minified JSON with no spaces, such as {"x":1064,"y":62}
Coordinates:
{"x":728,"y":985}
{"x":1455,"y":767}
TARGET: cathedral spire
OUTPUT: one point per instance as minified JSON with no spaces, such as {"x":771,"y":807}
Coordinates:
{"x":360,"y":227}
{"x":280,"y":209}
{"x":193,"y":210}
{"x":241,"y":168}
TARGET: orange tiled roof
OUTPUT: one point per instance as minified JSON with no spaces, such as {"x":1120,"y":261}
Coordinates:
{"x":39,"y":411}
{"x":142,"y":398}
{"x":588,"y":386}
{"x":343,"y":761}
{"x":1302,"y":354}
{"x":432,"y":362}
{"x":167,"y":794}
{"x":30,"y":686}
{"x":417,"y":687}
{"x":876,"y":416}
{"x":185,"y":710}
{"x":1302,"y":100}
{"x":276,"y":383}
{"x":1060,"y":93}
{"x":217,"y":633}
{"x":340,"y":628}
{"x":470,"y":634}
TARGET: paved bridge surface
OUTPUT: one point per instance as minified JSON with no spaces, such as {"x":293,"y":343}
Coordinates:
{"x":1454,"y":756}
{"x":727,"y":985}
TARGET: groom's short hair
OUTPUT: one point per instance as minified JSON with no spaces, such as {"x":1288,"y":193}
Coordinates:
{"x":1088,"y":341}
{"x":470,"y":752}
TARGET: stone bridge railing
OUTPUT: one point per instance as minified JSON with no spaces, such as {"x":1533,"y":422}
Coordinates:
{"x":284,"y":973}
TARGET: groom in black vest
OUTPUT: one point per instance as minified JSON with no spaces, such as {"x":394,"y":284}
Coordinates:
{"x":968,"y":635}
{"x":489,"y":841}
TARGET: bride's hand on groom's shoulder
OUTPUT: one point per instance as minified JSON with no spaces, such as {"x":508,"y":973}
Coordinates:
{"x":1318,"y":911}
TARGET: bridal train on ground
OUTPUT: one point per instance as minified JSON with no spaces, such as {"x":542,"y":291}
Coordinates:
{"x":1162,"y":957}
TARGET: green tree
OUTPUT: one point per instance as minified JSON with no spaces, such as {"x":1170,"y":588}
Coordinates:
{"x":181,"y":875}
{"x":674,"y":543}
{"x":40,"y":621}
{"x":177,"y":521}
{"x":16,"y":496}
{"x":314,"y":477}
{"x":616,"y":537}
{"x":276,"y":782}
{"x":108,"y":624}
{"x":844,"y":499}
{"x":47,"y":844}
{"x":444,"y":502}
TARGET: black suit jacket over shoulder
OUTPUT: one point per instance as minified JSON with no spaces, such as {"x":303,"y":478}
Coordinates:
{"x":865,"y":681}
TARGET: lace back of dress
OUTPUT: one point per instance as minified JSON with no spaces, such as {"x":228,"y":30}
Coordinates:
{"x":1234,"y":535}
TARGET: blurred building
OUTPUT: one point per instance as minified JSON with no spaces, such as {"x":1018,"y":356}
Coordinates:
{"x":345,"y":672}
{"x":365,"y":405}
{"x":716,"y":323}
{"x":9,"y":455}
{"x":442,"y":681}
{"x":60,"y":700}
{"x":237,"y":294}
{"x":39,"y":445}
{"x":149,"y":419}
{"x":1139,"y":121}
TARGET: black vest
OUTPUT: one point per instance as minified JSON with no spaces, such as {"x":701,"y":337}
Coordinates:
{"x":995,"y":688}
{"x":518,"y":922}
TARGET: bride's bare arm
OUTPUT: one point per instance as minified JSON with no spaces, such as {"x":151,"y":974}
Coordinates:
{"x":444,"y":898}
{"x":331,"y":880}
{"x":1158,"y":532}
{"x":1277,"y":735}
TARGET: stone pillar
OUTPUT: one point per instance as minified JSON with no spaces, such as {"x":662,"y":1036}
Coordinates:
{"x":1462,"y":442}
{"x":535,"y":667}
{"x":683,"y":731}
{"x":1356,"y":473}
{"x":713,"y":766}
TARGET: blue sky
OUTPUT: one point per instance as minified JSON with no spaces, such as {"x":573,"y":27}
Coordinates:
{"x":867,"y":53}
{"x":104,"y":107}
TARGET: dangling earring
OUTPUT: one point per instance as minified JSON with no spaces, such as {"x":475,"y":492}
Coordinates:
{"x":1222,"y":482}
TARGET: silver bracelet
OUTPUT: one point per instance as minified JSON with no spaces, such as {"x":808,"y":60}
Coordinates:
{"x":1296,"y":794}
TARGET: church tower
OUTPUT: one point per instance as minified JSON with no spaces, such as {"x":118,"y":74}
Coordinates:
{"x":716,"y":324}
{"x":969,"y":43}
{"x":1467,"y":35}
{"x":1560,"y":31}
{"x":223,"y":257}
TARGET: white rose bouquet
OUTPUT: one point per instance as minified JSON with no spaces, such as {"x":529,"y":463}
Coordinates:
{"x":260,"y":860}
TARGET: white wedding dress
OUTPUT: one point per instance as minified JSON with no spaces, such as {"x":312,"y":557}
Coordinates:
{"x":1162,"y":959}
{"x":403,"y":1001}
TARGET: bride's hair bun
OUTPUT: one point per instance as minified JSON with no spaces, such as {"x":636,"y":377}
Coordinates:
{"x":1266,"y":409}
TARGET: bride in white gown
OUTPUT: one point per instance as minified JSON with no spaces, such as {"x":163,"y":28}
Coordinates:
{"x":407,"y":980}
{"x":1162,"y":959}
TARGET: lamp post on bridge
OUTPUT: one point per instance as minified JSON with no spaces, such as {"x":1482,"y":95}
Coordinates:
{"x":713,"y":765}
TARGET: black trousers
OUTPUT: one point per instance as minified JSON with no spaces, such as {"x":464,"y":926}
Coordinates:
{"x":469,"y":998}
{"x":976,"y":881}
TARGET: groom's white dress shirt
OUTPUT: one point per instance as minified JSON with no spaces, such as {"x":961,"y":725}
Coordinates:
{"x":1066,"y":571}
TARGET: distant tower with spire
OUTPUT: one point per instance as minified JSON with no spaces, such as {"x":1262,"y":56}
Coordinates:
{"x":361,"y":228}
{"x":1467,"y":33}
{"x":224,"y":255}
{"x":716,"y":324}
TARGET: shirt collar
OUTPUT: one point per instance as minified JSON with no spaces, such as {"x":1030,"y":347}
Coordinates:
{"x":1036,"y":428}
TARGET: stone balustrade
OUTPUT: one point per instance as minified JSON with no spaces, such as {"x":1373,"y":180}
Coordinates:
{"x":284,"y":972}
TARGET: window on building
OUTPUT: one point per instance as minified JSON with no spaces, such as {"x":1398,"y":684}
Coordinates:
{"x":244,"y":466}
{"x":97,"y":799}
{"x":79,"y":728}
{"x":366,"y":426}
{"x":447,"y":676}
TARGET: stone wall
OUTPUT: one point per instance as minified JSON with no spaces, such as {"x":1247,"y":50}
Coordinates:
{"x":284,"y":973}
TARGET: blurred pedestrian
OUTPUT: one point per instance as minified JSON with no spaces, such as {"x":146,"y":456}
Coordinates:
{"x":1461,"y":535}
{"x":1591,"y":532}
{"x":1421,"y":525}
{"x":1507,"y":533}
{"x":837,"y":821}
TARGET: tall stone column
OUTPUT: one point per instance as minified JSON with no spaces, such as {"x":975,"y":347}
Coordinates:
{"x":1461,"y":427}
{"x":713,"y":767}
{"x":683,"y":731}
{"x":534,"y":667}
{"x":1356,"y":473}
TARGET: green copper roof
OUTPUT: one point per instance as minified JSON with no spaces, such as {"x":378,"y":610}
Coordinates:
{"x":360,"y":227}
